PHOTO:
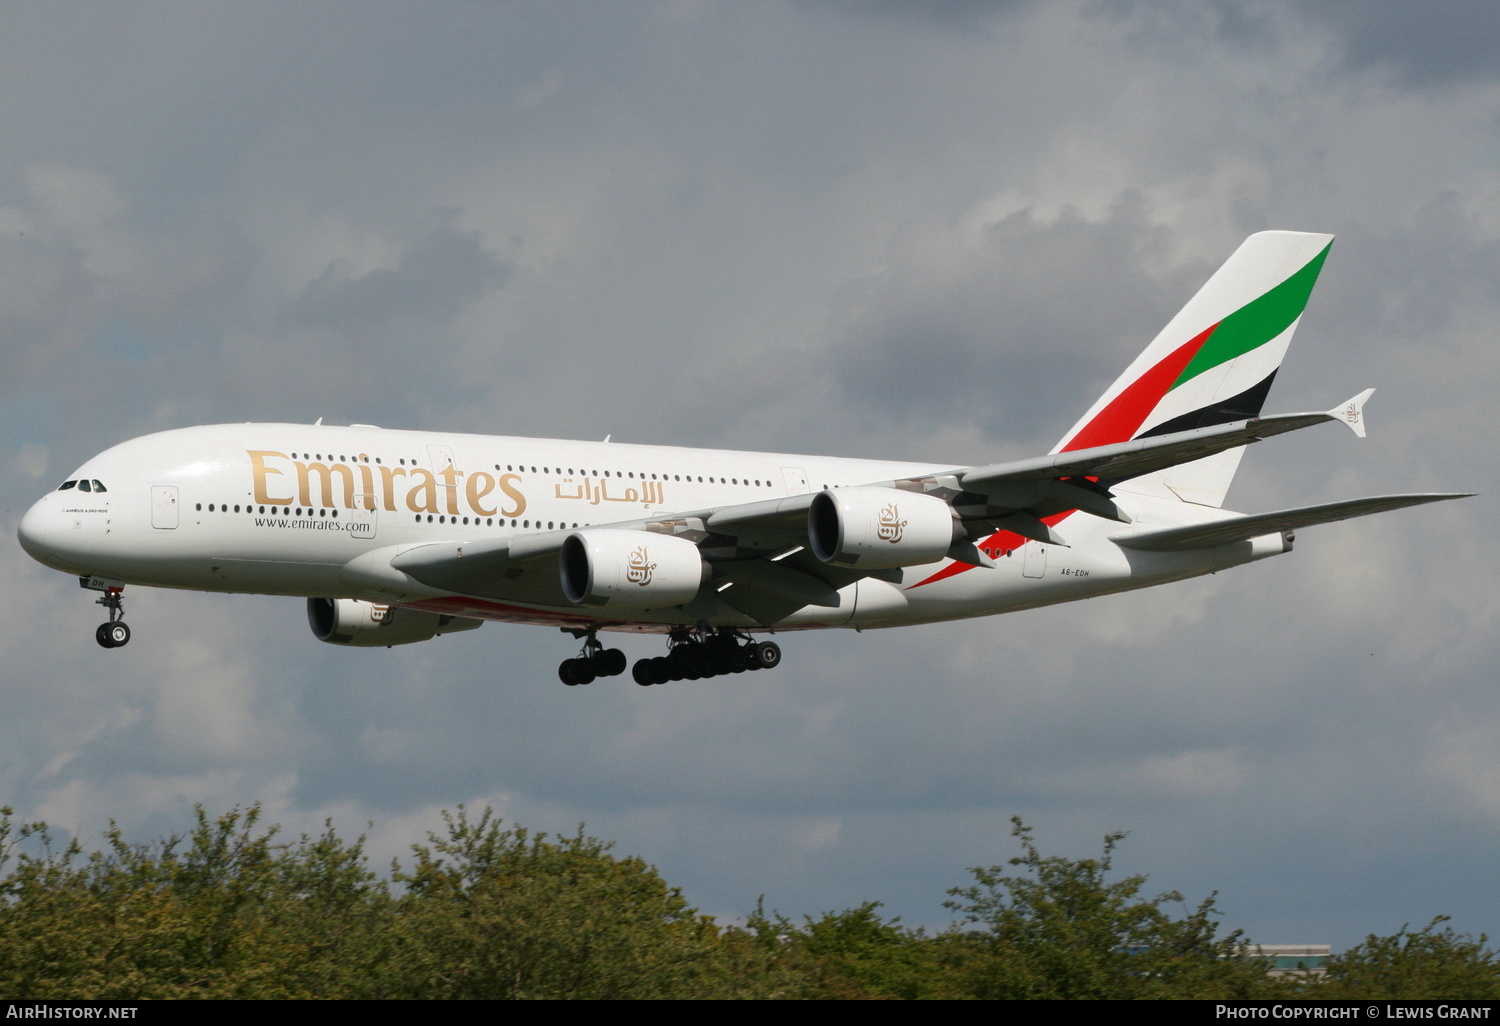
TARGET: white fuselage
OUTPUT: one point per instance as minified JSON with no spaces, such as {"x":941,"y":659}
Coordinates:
{"x":291,"y":509}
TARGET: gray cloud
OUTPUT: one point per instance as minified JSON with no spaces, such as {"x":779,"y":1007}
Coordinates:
{"x":1437,"y":43}
{"x":434,"y":278}
{"x":1041,"y":313}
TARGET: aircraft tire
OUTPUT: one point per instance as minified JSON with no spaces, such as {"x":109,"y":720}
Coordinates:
{"x":102,"y":636}
{"x":767,"y":655}
{"x":118,"y":634}
{"x":615,"y":662}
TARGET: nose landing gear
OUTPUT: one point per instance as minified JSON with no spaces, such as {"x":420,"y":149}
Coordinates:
{"x":115,"y":633}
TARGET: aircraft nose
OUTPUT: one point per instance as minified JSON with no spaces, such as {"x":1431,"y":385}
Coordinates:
{"x":42,"y":533}
{"x":33,"y":531}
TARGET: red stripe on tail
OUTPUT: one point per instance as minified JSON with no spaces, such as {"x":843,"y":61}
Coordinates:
{"x":1126,"y":412}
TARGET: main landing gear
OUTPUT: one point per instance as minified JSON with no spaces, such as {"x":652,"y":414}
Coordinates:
{"x":694,"y":655}
{"x":594,"y":660}
{"x":114,"y":634}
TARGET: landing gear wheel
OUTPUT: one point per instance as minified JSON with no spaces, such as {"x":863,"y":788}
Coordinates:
{"x":113,"y":634}
{"x":593,"y":662}
{"x":614,"y":662}
{"x":766,"y":655}
{"x":575,"y":671}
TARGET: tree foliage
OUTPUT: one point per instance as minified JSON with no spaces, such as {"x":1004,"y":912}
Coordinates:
{"x":853,"y":954}
{"x":1063,"y":929}
{"x":484,"y":909}
{"x":226,"y":911}
{"x":1410,"y":965}
{"x":497,"y":912}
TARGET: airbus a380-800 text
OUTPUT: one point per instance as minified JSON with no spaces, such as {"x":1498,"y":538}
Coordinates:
{"x":400,"y":536}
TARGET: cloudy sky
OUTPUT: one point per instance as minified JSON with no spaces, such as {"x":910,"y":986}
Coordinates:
{"x":926,"y":230}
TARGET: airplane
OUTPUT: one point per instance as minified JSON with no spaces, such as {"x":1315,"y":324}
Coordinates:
{"x":396,"y":536}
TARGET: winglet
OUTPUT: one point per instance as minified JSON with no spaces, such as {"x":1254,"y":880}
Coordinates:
{"x":1352,"y":412}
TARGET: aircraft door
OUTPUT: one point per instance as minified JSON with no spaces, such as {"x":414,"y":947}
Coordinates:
{"x":362,"y":517}
{"x":796,"y":480}
{"x":164,"y":507}
{"x":1034,"y":559}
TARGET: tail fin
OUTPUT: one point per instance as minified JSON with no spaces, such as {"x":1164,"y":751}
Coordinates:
{"x":1213,"y":363}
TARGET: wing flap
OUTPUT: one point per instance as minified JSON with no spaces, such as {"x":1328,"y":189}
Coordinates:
{"x":789,"y":513}
{"x":1242,"y":528}
{"x":497,"y":568}
{"x":779,"y":580}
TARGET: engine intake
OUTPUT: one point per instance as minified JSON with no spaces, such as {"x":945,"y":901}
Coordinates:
{"x":361,"y":624}
{"x":630,"y":569}
{"x":873,"y":528}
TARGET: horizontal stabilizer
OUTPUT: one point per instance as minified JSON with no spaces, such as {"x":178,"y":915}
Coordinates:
{"x":1235,"y":529}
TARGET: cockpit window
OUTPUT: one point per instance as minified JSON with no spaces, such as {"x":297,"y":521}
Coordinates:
{"x":66,"y":485}
{"x":98,"y":485}
{"x":83,"y":486}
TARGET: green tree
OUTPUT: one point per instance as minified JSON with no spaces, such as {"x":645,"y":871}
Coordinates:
{"x":226,"y":911}
{"x":498,"y":912}
{"x":1422,"y":964}
{"x":1062,"y":929}
{"x":853,"y":954}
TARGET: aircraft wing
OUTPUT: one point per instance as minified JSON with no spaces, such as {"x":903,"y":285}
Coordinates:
{"x":760,"y":553}
{"x":1044,"y":485}
{"x":1125,"y":460}
{"x":1243,"y":528}
{"x":757,"y":551}
{"x":518,"y":568}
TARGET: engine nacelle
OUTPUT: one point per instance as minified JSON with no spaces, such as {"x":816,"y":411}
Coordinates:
{"x":630,"y":569}
{"x":874,"y":528}
{"x":359,"y":623}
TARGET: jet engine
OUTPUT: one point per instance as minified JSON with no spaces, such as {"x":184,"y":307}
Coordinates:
{"x":630,"y":569}
{"x":880,"y":527}
{"x":358,"y":623}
